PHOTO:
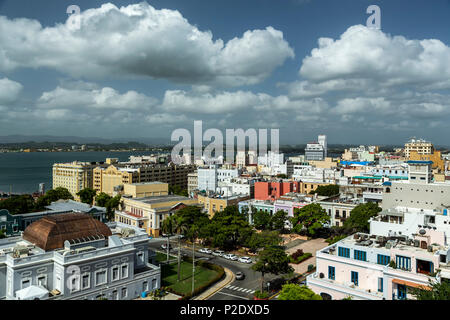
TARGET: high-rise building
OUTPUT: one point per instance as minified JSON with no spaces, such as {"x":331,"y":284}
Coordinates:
{"x":74,"y":176}
{"x":317,"y":151}
{"x":419,"y":145}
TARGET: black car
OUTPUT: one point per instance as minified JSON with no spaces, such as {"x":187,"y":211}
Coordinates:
{"x":240,"y":276}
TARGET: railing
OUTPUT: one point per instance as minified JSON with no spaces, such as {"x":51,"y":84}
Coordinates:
{"x":96,"y":253}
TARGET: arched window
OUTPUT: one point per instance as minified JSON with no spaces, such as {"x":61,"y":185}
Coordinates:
{"x":325,"y":296}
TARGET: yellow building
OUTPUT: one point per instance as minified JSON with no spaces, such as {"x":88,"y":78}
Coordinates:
{"x":145,"y":189}
{"x":307,"y":187}
{"x":435,"y":156}
{"x":328,"y":163}
{"x":74,"y":176}
{"x":215,"y":204}
{"x":419,"y":145}
{"x":106,"y":179}
{"x":149,"y":212}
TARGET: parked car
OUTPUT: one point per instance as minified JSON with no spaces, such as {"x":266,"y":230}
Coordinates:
{"x":245,"y":260}
{"x":164,"y":246}
{"x":227,"y":256}
{"x":233,"y":257}
{"x":240,"y":276}
{"x":218,"y":253}
{"x":205,"y":250}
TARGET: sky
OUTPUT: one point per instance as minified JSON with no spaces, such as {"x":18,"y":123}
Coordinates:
{"x":134,"y":69}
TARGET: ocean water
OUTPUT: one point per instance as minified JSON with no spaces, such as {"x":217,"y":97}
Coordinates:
{"x":25,"y":171}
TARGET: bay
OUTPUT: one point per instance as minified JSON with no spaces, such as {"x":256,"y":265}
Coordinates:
{"x":25,"y":171}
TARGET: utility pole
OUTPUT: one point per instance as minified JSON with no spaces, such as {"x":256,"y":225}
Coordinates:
{"x":193,"y":265}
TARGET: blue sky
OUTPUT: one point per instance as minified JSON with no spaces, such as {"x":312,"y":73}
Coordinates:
{"x":232,"y":64}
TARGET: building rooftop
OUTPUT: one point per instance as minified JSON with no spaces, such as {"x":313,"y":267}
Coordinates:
{"x":159,"y":199}
{"x":49,"y":233}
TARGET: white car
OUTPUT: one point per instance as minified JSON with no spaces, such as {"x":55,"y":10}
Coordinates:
{"x":227,"y":256}
{"x":218,"y":253}
{"x":205,"y":250}
{"x":233,"y":257}
{"x":245,"y":260}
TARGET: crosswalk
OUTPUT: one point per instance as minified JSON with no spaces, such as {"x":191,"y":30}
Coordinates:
{"x":239,"y":289}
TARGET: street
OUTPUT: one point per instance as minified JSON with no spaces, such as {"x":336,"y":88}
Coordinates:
{"x":238,"y":289}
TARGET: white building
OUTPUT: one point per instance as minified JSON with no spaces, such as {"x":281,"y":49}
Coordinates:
{"x":55,"y":259}
{"x":408,"y":245}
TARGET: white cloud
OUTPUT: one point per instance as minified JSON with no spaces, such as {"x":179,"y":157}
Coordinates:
{"x":212,"y":103}
{"x":104,"y":98}
{"x":9,"y":91}
{"x":363,"y":52}
{"x":139,"y":40}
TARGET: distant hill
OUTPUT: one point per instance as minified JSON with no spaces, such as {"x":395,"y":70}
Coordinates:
{"x":79,"y":140}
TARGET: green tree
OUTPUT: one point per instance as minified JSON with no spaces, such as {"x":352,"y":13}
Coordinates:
{"x":272,"y":260}
{"x":360,"y":215}
{"x":18,"y":204}
{"x":292,"y":291}
{"x":261,"y":220}
{"x":435,"y":291}
{"x":259,"y":240}
{"x":53,"y":195}
{"x":87,"y":195}
{"x":309,"y":218}
{"x":102,"y":199}
{"x":111,"y":205}
{"x":278,"y":220}
{"x":176,"y":189}
{"x":228,"y":228}
{"x":327,"y":190}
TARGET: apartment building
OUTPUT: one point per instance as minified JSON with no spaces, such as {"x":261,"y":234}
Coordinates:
{"x":75,"y":257}
{"x":75,"y":176}
{"x":419,"y":145}
{"x":192,"y":182}
{"x":209,"y":177}
{"x":106,"y":179}
{"x":408,"y":245}
{"x":271,"y":190}
{"x":148,"y":213}
{"x":215,"y":203}
{"x":370,"y":267}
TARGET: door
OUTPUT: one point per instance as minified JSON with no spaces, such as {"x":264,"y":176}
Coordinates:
{"x":401,"y":292}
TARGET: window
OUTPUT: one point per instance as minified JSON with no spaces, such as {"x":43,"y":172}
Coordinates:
{"x":115,"y":273}
{"x":380,"y":284}
{"x":25,"y":283}
{"x":100,"y":277}
{"x":86,"y":281}
{"x":145,"y":286}
{"x":354,"y":278}
{"x":42,"y":281}
{"x":383,"y":260}
{"x":344,"y":252}
{"x":154,"y":284}
{"x":124,"y":271}
{"x":403,"y":263}
{"x":115,"y":296}
{"x":124,"y":293}
{"x":331,"y":273}
{"x":359,"y":255}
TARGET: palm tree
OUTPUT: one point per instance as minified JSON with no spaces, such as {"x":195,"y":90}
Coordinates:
{"x":193,"y":234}
{"x":167,"y":227}
{"x":180,"y":227}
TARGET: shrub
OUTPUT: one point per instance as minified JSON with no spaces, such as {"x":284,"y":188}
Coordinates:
{"x":392,"y":264}
{"x":295,"y":258}
{"x":310,"y":267}
{"x":297,"y":254}
{"x":261,"y":295}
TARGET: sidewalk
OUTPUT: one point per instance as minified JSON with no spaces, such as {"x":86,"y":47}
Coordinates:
{"x":311,"y":246}
{"x":229,"y":277}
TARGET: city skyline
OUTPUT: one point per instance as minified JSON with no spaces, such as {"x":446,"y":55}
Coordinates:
{"x":305,"y":67}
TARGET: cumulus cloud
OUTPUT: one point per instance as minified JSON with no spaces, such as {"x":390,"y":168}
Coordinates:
{"x":140,"y":41}
{"x":367,"y":53}
{"x":9,"y":90}
{"x":104,"y":98}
